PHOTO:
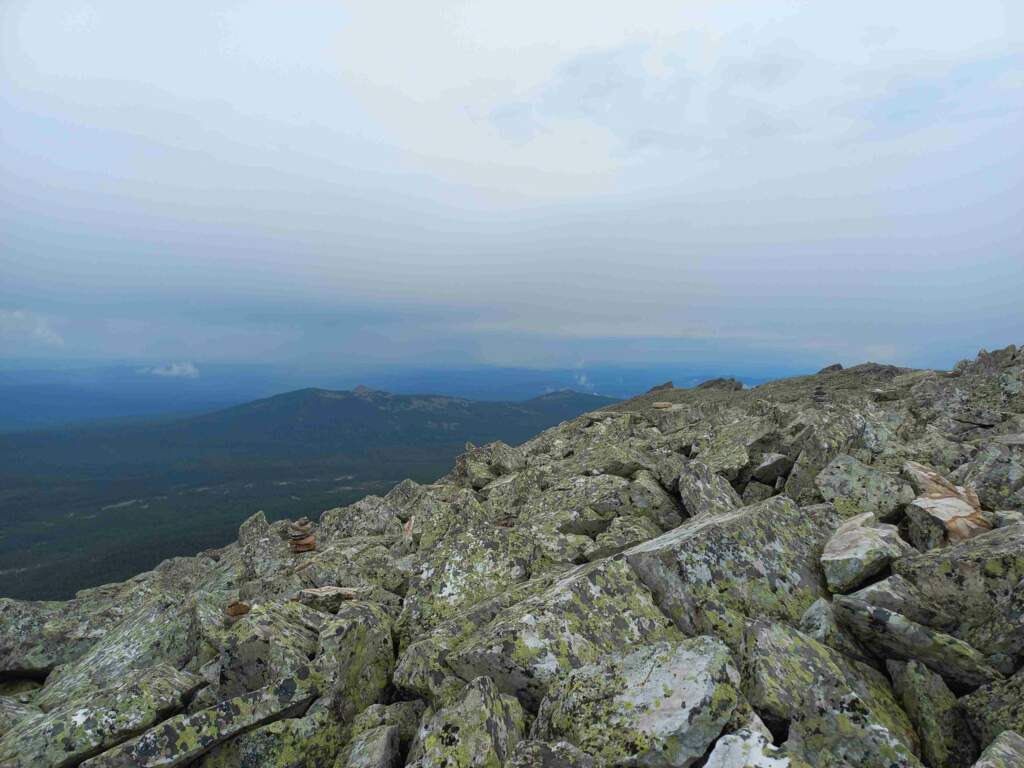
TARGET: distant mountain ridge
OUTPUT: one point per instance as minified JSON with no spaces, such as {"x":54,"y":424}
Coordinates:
{"x":104,"y":501}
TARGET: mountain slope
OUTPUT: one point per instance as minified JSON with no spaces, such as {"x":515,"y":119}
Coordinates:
{"x":104,"y":502}
{"x":823,"y":571}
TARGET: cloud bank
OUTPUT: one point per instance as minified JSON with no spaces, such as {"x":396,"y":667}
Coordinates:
{"x":483,"y":183}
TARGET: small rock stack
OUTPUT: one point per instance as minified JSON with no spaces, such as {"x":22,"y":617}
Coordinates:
{"x":300,"y":536}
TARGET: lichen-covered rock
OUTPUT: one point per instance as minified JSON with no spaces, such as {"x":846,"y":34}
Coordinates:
{"x":771,"y":467}
{"x":658,"y":705}
{"x":37,"y":636}
{"x":538,"y":754}
{"x":893,"y":635}
{"x":592,"y":610}
{"x":898,"y":595}
{"x":704,"y":492}
{"x":478,"y":466}
{"x":330,"y":599}
{"x":843,"y":708}
{"x":714,"y":571}
{"x":156,"y":633}
{"x":264,"y":548}
{"x":623,"y":533}
{"x":859,"y":549}
{"x":14,"y":713}
{"x":1007,"y":751}
{"x":375,"y":748}
{"x":479,"y":730}
{"x":972,"y":578}
{"x":1002,"y":634}
{"x":403,"y":715}
{"x":312,"y":741}
{"x":69,"y":734}
{"x":996,"y":473}
{"x":819,"y":623}
{"x":946,"y":741}
{"x":750,"y":749}
{"x":755,"y":492}
{"x":356,"y":657}
{"x":465,"y":568}
{"x":995,"y":708}
{"x":272,"y":641}
{"x":853,"y":485}
{"x":184,"y":738}
{"x":370,"y":516}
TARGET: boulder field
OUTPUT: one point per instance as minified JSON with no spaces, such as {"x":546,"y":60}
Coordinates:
{"x":819,"y":572}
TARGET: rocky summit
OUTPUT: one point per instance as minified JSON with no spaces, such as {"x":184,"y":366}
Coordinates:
{"x":820,"y":572}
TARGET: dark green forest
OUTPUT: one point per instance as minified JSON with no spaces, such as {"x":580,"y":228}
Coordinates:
{"x":89,"y":505}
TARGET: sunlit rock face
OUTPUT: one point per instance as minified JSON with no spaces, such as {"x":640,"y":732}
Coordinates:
{"x":820,"y":571}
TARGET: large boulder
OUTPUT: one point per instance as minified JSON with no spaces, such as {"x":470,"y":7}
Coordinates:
{"x":155,"y":633}
{"x":184,"y":738}
{"x":657,"y":705}
{"x":943,"y":513}
{"x":855,"y":487}
{"x":970,"y":579}
{"x":835,"y":707}
{"x":590,"y":611}
{"x":946,"y":741}
{"x":894,"y":636}
{"x":995,"y":708}
{"x":996,"y":473}
{"x":479,"y":730}
{"x":311,"y":741}
{"x":272,"y":641}
{"x":713,"y":572}
{"x":356,"y":657}
{"x":376,"y":748}
{"x":858,"y":550}
{"x":80,"y":729}
{"x":704,"y":492}
{"x":1007,"y":751}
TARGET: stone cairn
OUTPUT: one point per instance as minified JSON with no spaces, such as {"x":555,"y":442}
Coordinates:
{"x":300,"y":536}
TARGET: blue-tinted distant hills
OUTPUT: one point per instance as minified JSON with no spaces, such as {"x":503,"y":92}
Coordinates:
{"x":86,"y":504}
{"x":33,"y":397}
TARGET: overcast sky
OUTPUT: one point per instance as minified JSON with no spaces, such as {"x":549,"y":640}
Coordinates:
{"x":528,"y":183}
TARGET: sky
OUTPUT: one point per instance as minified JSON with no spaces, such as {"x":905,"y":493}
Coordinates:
{"x":735,"y":183}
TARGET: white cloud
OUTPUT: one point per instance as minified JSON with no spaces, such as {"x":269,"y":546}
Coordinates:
{"x":28,"y":328}
{"x":174,"y":371}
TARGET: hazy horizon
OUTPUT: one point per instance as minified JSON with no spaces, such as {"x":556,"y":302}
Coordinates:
{"x":729,"y":185}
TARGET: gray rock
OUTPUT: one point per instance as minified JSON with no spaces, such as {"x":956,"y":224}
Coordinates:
{"x":184,"y":738}
{"x":1006,"y":751}
{"x":538,"y":754}
{"x":946,"y":741}
{"x":772,"y":467}
{"x":855,"y":487}
{"x":658,"y":705}
{"x":858,"y":550}
{"x":481,"y":728}
{"x":713,"y":572}
{"x":755,"y":492}
{"x":375,"y":748}
{"x":995,"y":708}
{"x":588,"y":612}
{"x":836,"y":708}
{"x":78,"y":730}
{"x":893,"y":635}
{"x":749,"y":749}
{"x":970,"y":579}
{"x":704,"y":492}
{"x":356,"y":657}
